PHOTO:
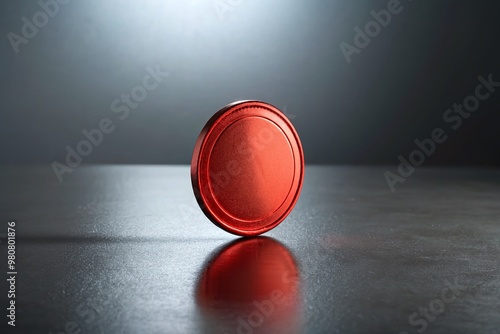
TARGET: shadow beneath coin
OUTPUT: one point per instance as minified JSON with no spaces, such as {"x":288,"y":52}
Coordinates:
{"x":251,"y":285}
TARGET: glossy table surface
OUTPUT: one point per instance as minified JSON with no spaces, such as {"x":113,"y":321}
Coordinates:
{"x":125,"y":249}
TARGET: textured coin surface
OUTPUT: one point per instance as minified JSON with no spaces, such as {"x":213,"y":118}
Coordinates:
{"x":247,"y":168}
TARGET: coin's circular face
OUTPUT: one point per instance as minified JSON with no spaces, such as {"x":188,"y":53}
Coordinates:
{"x":247,"y":168}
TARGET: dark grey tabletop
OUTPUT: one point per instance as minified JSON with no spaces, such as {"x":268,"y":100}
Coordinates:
{"x":125,"y":249}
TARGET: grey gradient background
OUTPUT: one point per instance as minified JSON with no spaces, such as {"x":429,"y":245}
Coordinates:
{"x":285,"y":52}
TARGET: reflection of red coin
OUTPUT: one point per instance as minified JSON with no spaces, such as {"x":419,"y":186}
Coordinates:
{"x":251,"y":283}
{"x":247,"y":168}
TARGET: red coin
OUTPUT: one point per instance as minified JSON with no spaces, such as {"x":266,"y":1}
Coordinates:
{"x":247,"y":168}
